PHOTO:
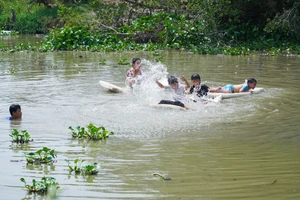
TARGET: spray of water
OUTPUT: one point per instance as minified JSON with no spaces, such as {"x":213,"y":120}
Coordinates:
{"x":146,"y":90}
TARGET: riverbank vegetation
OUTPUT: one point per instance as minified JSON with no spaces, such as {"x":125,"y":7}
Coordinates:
{"x":201,"y":26}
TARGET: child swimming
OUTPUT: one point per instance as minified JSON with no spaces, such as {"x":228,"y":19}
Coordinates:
{"x":15,"y":112}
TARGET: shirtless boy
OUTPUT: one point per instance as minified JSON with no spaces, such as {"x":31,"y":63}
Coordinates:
{"x":248,"y":85}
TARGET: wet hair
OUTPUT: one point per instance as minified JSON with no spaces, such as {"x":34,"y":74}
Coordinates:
{"x":195,"y":77}
{"x":13,"y":108}
{"x":251,"y":80}
{"x":134,"y":60}
{"x":172,"y":80}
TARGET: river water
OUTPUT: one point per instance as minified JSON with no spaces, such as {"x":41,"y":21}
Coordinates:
{"x":242,"y":148}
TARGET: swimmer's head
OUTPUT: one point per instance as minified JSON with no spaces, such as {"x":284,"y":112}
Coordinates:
{"x":172,"y":80}
{"x":251,"y":82}
{"x":196,"y":80}
{"x":195,"y":77}
{"x":136,"y":63}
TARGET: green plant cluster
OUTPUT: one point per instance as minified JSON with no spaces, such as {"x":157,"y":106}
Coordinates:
{"x":30,"y":18}
{"x":41,"y":156}
{"x":146,"y":33}
{"x":123,"y":61}
{"x":84,"y":170}
{"x":41,"y":186}
{"x":163,"y":30}
{"x":47,"y":155}
{"x":20,"y":137}
{"x":174,"y":31}
{"x":8,"y":33}
{"x":91,"y":132}
{"x":20,"y":47}
{"x":204,"y":27}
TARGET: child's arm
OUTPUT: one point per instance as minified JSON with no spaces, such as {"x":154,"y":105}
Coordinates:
{"x":219,"y":89}
{"x":159,"y":84}
{"x":245,"y":88}
{"x":187,"y":85}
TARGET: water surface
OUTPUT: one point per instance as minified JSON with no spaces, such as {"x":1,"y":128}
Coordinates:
{"x":243,"y":148}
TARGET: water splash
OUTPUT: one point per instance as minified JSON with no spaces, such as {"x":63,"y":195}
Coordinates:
{"x":146,"y":90}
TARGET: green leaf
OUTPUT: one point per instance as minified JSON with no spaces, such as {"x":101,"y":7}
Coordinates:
{"x":46,"y":149}
{"x":39,"y":151}
{"x":23,"y":180}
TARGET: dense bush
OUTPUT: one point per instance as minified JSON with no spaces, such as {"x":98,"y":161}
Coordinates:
{"x":68,"y":39}
{"x":208,"y":27}
{"x":31,"y":18}
{"x":27,"y":24}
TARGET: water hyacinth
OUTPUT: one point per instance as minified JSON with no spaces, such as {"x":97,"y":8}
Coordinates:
{"x":41,"y":156}
{"x":41,"y":186}
{"x":84,"y":170}
{"x":20,"y":137}
{"x":91,"y":132}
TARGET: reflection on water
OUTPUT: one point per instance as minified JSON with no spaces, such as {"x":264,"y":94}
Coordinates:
{"x":238,"y":148}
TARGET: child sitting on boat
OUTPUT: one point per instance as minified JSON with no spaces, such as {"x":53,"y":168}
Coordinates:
{"x":248,"y":85}
{"x":177,"y":90}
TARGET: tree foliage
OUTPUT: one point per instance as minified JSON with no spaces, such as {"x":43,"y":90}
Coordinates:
{"x":286,"y":21}
{"x":197,"y":25}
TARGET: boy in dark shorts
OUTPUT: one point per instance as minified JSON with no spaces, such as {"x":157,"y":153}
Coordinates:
{"x":177,"y":90}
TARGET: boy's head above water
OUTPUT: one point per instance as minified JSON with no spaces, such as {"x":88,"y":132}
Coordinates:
{"x":173,"y":82}
{"x":251,"y":82}
{"x":15,"y":111}
{"x":196,"y":80}
{"x":136,"y":63}
{"x":134,"y":60}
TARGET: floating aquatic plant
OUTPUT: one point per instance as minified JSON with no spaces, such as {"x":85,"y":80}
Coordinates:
{"x":102,"y":62}
{"x":42,"y":185}
{"x":20,"y":137}
{"x":91,"y":132}
{"x":123,"y":62}
{"x":163,"y":177}
{"x":90,"y":169}
{"x":44,"y":155}
{"x":159,"y":59}
{"x":85,"y":170}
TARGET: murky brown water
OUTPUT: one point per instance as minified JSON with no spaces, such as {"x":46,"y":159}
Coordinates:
{"x":243,"y":148}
